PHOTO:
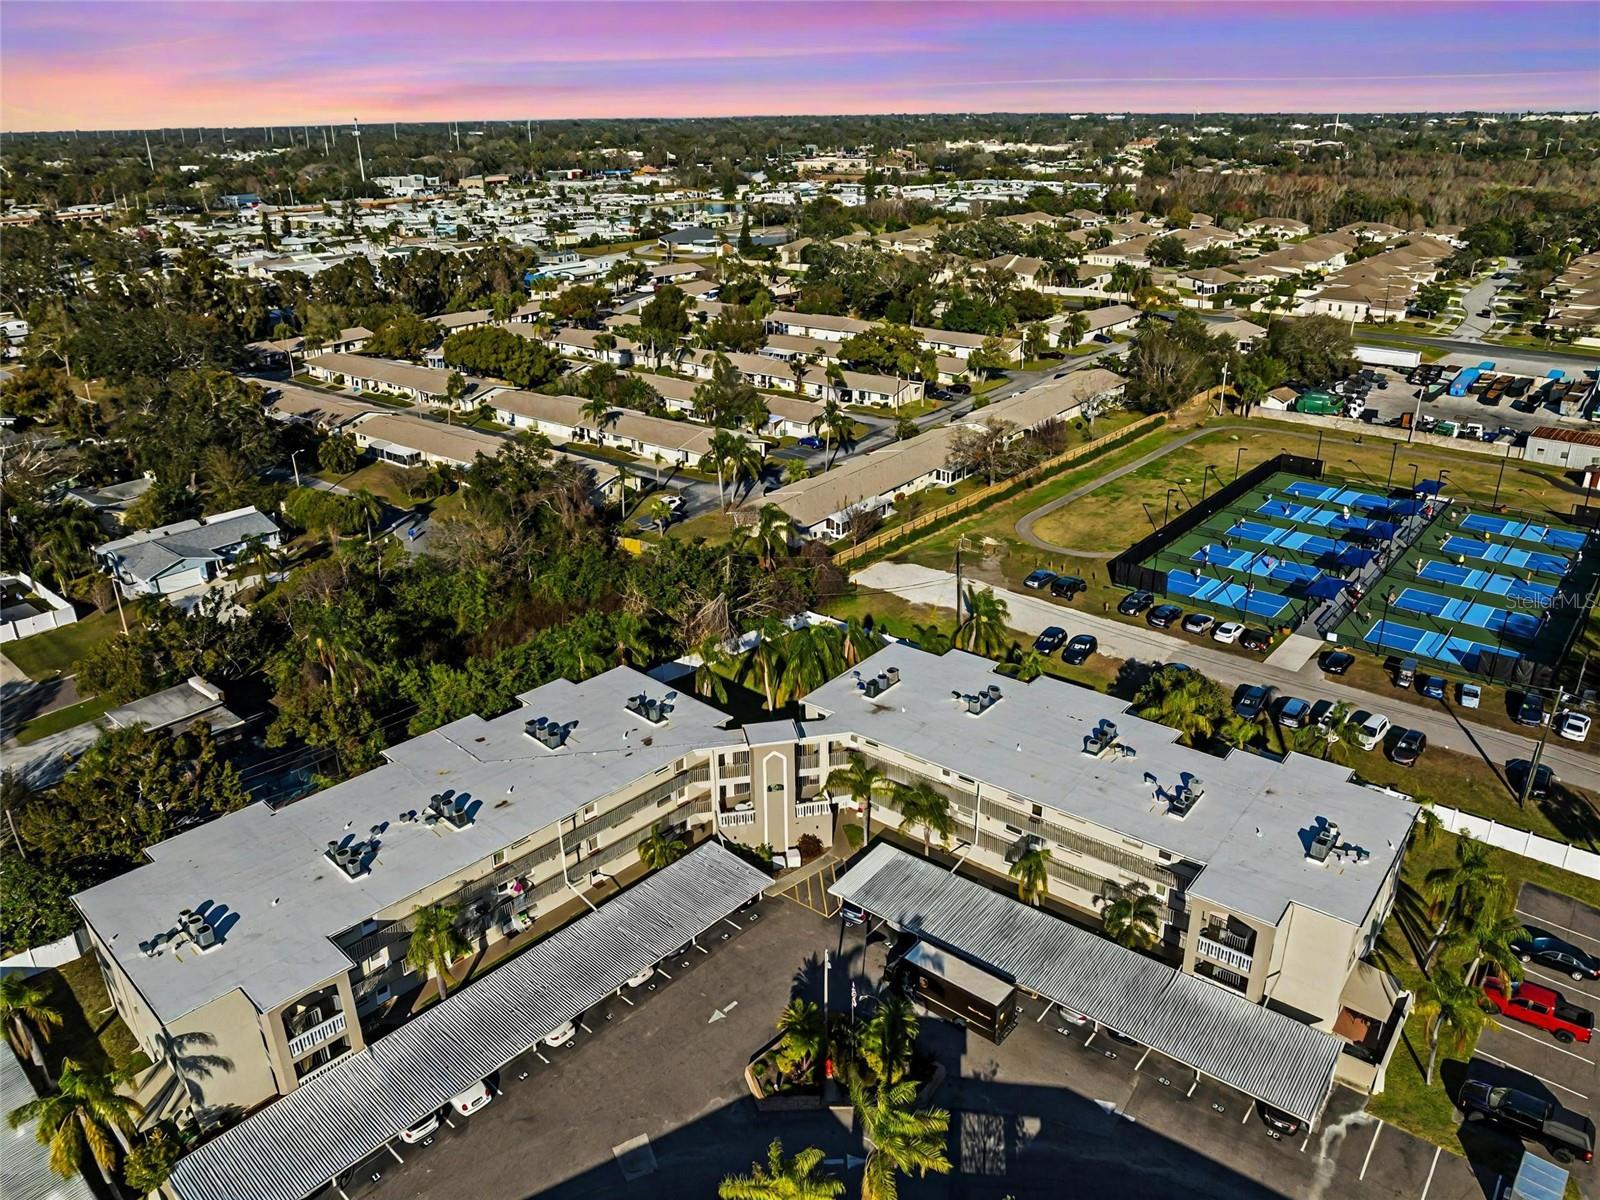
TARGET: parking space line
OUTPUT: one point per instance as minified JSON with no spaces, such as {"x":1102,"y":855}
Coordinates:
{"x":584,"y":1027}
{"x":1543,"y":921}
{"x":389,"y":1146}
{"x":701,"y":948}
{"x":735,"y":924}
{"x":1248,"y":1109}
{"x":542,"y":1058}
{"x":1543,"y":1042}
{"x":1142,"y":1057}
{"x":1044,"y":1014}
{"x":662,"y":973}
{"x":1525,"y":1071}
{"x":1564,"y":980}
{"x":625,"y":1000}
{"x":1437,"y":1150}
{"x":1370,"y":1148}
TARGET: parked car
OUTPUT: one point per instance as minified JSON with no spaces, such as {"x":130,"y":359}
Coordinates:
{"x":852,"y":914}
{"x":1227,"y":633}
{"x":561,"y":1034}
{"x":1409,"y":747}
{"x":1530,"y":711}
{"x":1542,"y":1007}
{"x":1065,"y":587}
{"x":1198,"y":622}
{"x":811,"y":442}
{"x":1431,"y":686}
{"x":1255,"y":640}
{"x":1163,"y":615}
{"x":471,"y":1100}
{"x":1337,"y":662}
{"x":1250,"y":700}
{"x":1039,"y":580}
{"x":640,"y":978}
{"x":1049,"y":641}
{"x":1080,"y":649}
{"x":1550,"y":951}
{"x":1293,"y":712}
{"x":1371,"y":729}
{"x":1569,"y":1136}
{"x":1322,"y":713}
{"x":1573,"y":726}
{"x":1517,"y":777}
{"x":1279,"y":1123}
{"x":422,"y":1130}
{"x":1135,"y":603}
{"x":1469,"y":695}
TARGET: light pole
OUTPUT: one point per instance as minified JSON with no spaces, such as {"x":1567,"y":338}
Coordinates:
{"x":1413,"y":479}
{"x":1167,"y":515}
{"x":1237,"y":455}
{"x":1389,"y":480}
{"x":296,"y":467}
{"x":1496,"y":502}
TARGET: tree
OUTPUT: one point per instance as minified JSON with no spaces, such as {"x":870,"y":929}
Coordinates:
{"x":811,"y":656}
{"x":1030,"y":666}
{"x":1131,"y":916}
{"x":1238,"y":731}
{"x":597,"y":411}
{"x":260,"y":556}
{"x":901,"y":1140}
{"x":339,"y":453}
{"x":783,"y":1179}
{"x":35,"y":902}
{"x":150,"y":1163}
{"x":81,"y":1114}
{"x":990,"y":359}
{"x":660,"y":848}
{"x":889,"y":349}
{"x":716,"y":664}
{"x":1487,"y":935}
{"x":664,"y":321}
{"x":28,"y":1012}
{"x":1032,"y":873}
{"x":1432,"y":299}
{"x":925,"y":805}
{"x":1317,"y":347}
{"x":1469,"y":884}
{"x":1453,"y":1013}
{"x":801,"y":1026}
{"x":834,"y":424}
{"x":1167,"y":251}
{"x":1188,"y":701}
{"x":888,"y":1038}
{"x":860,"y":778}
{"x":1073,"y":331}
{"x":580,"y":304}
{"x":984,"y":629}
{"x":1035,"y":342}
{"x":990,"y":448}
{"x":495,"y":351}
{"x":771,"y":535}
{"x":404,"y":335}
{"x":435,"y":943}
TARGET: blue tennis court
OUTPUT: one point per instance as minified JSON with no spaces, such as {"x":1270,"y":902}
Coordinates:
{"x":1331,"y":494}
{"x":1408,"y":639}
{"x":1472,"y":579}
{"x":1324,"y":518}
{"x":1221,"y":594}
{"x":1255,"y":562}
{"x":1524,"y":531}
{"x":1511,"y":556}
{"x":1456,"y":610}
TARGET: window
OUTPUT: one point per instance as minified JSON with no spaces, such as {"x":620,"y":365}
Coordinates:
{"x":499,"y":857}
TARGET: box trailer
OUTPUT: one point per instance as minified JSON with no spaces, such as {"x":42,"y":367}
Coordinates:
{"x":1318,"y":402}
{"x":1388,"y":356}
{"x":951,"y":987}
{"x":1462,"y":383}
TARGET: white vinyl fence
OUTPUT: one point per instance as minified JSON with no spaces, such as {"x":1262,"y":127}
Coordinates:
{"x":1519,"y":841}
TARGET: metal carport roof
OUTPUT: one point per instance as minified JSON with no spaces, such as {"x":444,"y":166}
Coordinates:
{"x":1260,"y":1052}
{"x":300,"y":1142}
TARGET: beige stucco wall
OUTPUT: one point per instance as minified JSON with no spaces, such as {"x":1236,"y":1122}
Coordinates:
{"x":228,"y":1027}
{"x":1311,"y":961}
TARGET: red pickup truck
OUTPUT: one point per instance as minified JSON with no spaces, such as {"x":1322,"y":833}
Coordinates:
{"x":1541,"y":1006}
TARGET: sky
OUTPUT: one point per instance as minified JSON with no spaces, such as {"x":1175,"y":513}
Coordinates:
{"x":65,"y":64}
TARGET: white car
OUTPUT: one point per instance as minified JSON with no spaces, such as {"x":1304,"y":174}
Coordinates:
{"x":1371,"y":729}
{"x":642,"y":978}
{"x":562,"y":1034}
{"x":1573,"y":726}
{"x":1471,"y":695}
{"x":471,"y":1100}
{"x":421,"y":1130}
{"x":1227,"y":633}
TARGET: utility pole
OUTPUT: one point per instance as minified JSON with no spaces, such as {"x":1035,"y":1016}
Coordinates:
{"x":325,"y":142}
{"x":149,"y":158}
{"x":1538,"y":751}
{"x":361,"y":160}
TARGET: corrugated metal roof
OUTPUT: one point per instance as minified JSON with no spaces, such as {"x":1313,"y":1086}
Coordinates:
{"x":25,"y":1172}
{"x":1260,"y":1052}
{"x":297,"y":1144}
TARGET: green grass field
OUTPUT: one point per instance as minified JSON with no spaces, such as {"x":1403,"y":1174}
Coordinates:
{"x":46,"y":655}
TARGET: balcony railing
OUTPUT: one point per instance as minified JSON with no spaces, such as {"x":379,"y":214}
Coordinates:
{"x":1221,"y":952}
{"x":308,"y":1041}
{"x":731,"y":819}
{"x":314,"y":1072}
{"x":813,"y":808}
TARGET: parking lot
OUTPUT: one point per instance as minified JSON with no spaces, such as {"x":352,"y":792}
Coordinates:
{"x":649,"y":1100}
{"x":1399,"y":396}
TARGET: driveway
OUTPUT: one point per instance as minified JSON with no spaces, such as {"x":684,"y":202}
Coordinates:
{"x":1030,"y":614}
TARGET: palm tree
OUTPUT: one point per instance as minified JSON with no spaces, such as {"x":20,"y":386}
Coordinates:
{"x":799,"y":365}
{"x":28,"y":1013}
{"x":801,"y":1026}
{"x":660,"y":848}
{"x":1238,"y":731}
{"x":1075,"y":329}
{"x":1470,"y":883}
{"x":1183,"y":700}
{"x":932,"y":638}
{"x":83,"y":1113}
{"x":597,"y":410}
{"x":780,"y":1179}
{"x":835,"y":425}
{"x":732,"y":458}
{"x":811,"y":656}
{"x":1030,"y":666}
{"x":1453,"y":1013}
{"x":887,"y":1039}
{"x":1032,"y":873}
{"x":925,"y":805}
{"x":984,"y":630}
{"x":1132,"y":917}
{"x":771,"y":536}
{"x":767,"y":657}
{"x":900,"y":1140}
{"x":658,"y":509}
{"x":435,"y":943}
{"x":860,"y":778}
{"x":745,"y":462}
{"x":260,"y":556}
{"x":716,"y":664}
{"x":1487,"y":936}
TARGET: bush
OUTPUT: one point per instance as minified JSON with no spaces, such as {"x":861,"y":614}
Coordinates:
{"x":149,"y":1163}
{"x":810,"y":846}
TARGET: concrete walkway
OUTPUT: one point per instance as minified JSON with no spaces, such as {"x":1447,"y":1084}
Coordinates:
{"x":1444,"y":727}
{"x":1025,"y":525}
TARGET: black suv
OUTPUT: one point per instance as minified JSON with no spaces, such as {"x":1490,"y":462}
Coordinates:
{"x":1531,"y":710}
{"x":1569,"y":1136}
{"x":1162,"y":616}
{"x":1255,"y":640}
{"x":1080,"y":649}
{"x":1337,"y":662}
{"x":1067,"y":586}
{"x":1517,"y":777}
{"x":1135,"y":603}
{"x":1050,"y":640}
{"x":1550,"y":951}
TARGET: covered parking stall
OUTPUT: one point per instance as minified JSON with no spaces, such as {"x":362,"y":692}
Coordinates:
{"x":309,"y":1138}
{"x":1263,"y":1054}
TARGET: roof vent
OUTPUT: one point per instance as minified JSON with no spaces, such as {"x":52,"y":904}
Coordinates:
{"x":978,"y":702}
{"x":876,"y":685}
{"x":1102,"y":738}
{"x":1323,"y":841}
{"x":1188,"y":794}
{"x":547,"y":731}
{"x":650,"y":709}
{"x":453,"y":810}
{"x":348,"y":857}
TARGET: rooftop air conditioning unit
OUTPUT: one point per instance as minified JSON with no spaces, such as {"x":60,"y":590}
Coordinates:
{"x":204,"y":936}
{"x":1327,"y":837}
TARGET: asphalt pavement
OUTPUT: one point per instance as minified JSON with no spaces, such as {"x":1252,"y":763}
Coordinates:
{"x":1442,"y":723}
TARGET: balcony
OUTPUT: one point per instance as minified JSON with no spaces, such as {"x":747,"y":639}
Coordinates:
{"x":731,"y":819}
{"x":308,"y":1041}
{"x":813,"y":808}
{"x":1211,"y":945}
